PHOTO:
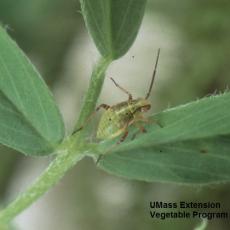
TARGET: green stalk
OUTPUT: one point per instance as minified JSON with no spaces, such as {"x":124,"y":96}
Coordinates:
{"x":55,"y":171}
{"x":96,"y":83}
{"x":68,"y":153}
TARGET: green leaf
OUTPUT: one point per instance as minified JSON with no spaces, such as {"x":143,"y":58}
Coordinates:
{"x":192,"y":147}
{"x":29,"y":119}
{"x":113,"y":24}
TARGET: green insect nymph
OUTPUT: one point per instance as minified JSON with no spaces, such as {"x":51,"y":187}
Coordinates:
{"x":116,"y":119}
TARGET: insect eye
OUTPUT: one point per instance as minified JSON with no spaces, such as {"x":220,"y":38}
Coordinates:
{"x":145,"y":108}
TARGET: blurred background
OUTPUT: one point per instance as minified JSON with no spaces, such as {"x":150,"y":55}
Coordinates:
{"x":195,"y":50}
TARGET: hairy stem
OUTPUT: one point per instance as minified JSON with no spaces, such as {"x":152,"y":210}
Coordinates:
{"x":69,"y":152}
{"x":94,"y":90}
{"x":55,"y":171}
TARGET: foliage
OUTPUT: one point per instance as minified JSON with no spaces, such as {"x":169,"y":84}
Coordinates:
{"x":27,"y":110}
{"x":192,"y":147}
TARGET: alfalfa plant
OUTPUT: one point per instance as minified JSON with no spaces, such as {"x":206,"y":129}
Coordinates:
{"x":192,"y":147}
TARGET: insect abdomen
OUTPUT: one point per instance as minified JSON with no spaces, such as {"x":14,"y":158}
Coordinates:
{"x":109,"y":125}
{"x":116,"y":119}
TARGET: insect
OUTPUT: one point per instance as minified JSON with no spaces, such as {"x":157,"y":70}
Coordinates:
{"x":116,"y":119}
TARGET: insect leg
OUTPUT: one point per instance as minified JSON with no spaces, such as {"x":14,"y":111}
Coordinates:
{"x":104,"y":106}
{"x":123,"y":137}
{"x":151,"y":121}
{"x":141,"y":129}
{"x":148,"y":120}
{"x":122,"y":89}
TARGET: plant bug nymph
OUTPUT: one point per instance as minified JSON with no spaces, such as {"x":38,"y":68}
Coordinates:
{"x":117,"y":118}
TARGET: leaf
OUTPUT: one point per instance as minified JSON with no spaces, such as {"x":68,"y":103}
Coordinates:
{"x":193,"y":146}
{"x":29,"y":119}
{"x":113,"y":24}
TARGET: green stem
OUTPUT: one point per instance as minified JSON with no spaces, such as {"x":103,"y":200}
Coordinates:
{"x":55,"y":171}
{"x":96,"y":83}
{"x":69,"y":152}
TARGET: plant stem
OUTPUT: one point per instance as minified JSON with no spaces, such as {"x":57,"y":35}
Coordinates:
{"x":95,"y":85}
{"x":55,"y":171}
{"x":69,"y":152}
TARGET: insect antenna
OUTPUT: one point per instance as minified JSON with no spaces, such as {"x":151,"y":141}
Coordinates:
{"x":154,"y":73}
{"x":122,"y":89}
